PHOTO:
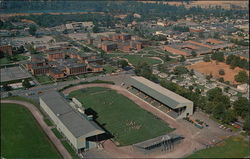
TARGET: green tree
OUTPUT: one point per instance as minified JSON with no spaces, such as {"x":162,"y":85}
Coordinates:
{"x":179,"y":70}
{"x":221,"y":72}
{"x":246,"y":125}
{"x":191,"y":72}
{"x":221,"y":79}
{"x":166,"y":58}
{"x":214,"y":93}
{"x":32,"y":30}
{"x":182,"y":59}
{"x":122,"y":63}
{"x":193,"y":53}
{"x":208,"y":77}
{"x":218,"y":110}
{"x":241,"y":106}
{"x":96,"y":29}
{"x":226,"y":89}
{"x":26,"y":83}
{"x":228,"y":116}
{"x":6,"y":87}
{"x":206,"y":58}
{"x":218,"y":56}
{"x":241,"y":77}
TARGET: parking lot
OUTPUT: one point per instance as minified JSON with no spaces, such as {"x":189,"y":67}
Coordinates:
{"x":13,"y":73}
{"x":206,"y":135}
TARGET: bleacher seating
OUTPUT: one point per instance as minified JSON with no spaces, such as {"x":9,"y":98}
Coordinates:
{"x":153,"y":102}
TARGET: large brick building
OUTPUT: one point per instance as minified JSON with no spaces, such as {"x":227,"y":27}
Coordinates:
{"x":40,"y":70}
{"x":75,"y":69}
{"x":53,"y":55}
{"x":56,"y":73}
{"x":58,"y":66}
{"x":108,"y":46}
{"x":6,"y":49}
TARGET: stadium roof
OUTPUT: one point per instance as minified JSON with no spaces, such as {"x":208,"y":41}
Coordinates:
{"x":76,"y":123}
{"x":151,"y":142}
{"x":158,"y":92}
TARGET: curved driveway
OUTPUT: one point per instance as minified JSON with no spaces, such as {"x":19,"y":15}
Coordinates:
{"x":39,"y":118}
{"x":187,"y":146}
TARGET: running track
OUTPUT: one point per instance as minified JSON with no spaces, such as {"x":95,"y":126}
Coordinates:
{"x":187,"y":146}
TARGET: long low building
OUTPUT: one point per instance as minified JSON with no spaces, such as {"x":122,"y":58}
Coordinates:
{"x":77,"y":128}
{"x":164,"y":143}
{"x":176,"y":104}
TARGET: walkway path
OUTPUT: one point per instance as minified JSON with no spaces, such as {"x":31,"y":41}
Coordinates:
{"x":187,"y":146}
{"x":39,"y":118}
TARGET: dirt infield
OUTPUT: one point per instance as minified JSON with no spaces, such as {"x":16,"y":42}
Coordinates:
{"x":213,"y":68}
{"x":39,"y":118}
{"x":187,"y":146}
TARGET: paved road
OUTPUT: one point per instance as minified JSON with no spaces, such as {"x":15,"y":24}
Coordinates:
{"x":56,"y":86}
{"x":39,"y":118}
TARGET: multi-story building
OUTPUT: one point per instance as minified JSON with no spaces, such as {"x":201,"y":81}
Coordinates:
{"x":108,"y":46}
{"x":75,"y":69}
{"x":40,"y":70}
{"x":52,"y":55}
{"x":6,"y":49}
{"x":56,"y":73}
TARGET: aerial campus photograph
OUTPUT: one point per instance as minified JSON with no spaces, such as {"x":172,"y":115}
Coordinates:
{"x":124,"y":79}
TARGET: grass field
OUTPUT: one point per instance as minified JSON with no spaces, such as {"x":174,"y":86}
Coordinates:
{"x":233,"y":147}
{"x":135,"y":60}
{"x":126,"y":121}
{"x":21,"y":136}
{"x":14,"y":58}
{"x":109,"y":69}
{"x":43,"y":79}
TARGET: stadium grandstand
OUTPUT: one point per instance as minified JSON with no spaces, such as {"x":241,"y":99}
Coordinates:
{"x":81,"y":131}
{"x":161,"y":98}
{"x":164,"y":143}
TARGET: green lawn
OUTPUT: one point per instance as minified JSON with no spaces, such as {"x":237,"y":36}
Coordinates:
{"x":57,"y":133}
{"x":233,"y":147}
{"x":70,"y":150}
{"x":48,"y":122}
{"x":21,"y":136}
{"x":69,"y":78}
{"x":43,"y":79}
{"x":12,"y":59}
{"x":109,"y":68}
{"x":135,"y":59}
{"x":128,"y":123}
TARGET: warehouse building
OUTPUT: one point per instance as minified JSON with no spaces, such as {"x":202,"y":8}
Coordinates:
{"x":80,"y":131}
{"x":163,"y":99}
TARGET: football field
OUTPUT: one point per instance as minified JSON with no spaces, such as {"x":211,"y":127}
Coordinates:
{"x":126,"y":121}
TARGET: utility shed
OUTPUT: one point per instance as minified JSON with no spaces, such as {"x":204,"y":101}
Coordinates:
{"x":161,"y":94}
{"x":75,"y":126}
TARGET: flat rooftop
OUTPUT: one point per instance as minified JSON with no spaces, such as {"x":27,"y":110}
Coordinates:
{"x":158,"y":92}
{"x":13,"y":73}
{"x":157,"y":140}
{"x":75,"y":122}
